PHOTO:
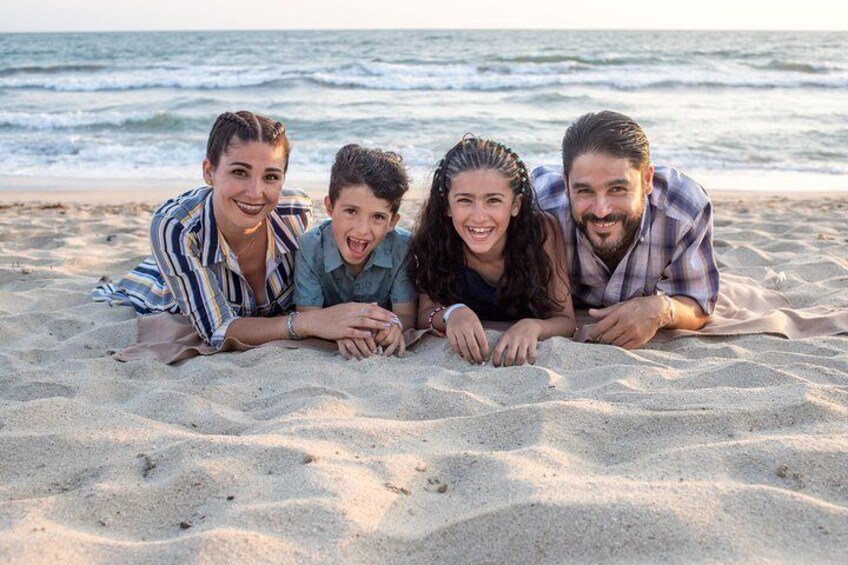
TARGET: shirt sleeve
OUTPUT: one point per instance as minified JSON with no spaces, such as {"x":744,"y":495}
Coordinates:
{"x":307,"y":284}
{"x":195,"y":287}
{"x":693,"y":271}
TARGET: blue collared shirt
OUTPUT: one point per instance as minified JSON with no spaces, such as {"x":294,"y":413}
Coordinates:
{"x":672,"y":255}
{"x":322,"y":279}
{"x":194,"y":272}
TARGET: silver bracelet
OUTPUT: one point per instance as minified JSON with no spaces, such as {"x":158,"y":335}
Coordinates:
{"x":290,"y":325}
{"x":449,"y":310}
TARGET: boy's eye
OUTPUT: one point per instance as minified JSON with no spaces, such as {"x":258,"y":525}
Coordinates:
{"x":379,"y":218}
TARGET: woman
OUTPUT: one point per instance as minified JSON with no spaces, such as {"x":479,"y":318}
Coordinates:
{"x":223,"y":254}
{"x":483,"y":250}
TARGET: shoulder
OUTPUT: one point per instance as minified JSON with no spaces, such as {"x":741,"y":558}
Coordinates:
{"x":311,"y":242}
{"x":679,"y":196}
{"x":186,"y":207}
{"x":549,"y":187}
{"x":293,"y":201}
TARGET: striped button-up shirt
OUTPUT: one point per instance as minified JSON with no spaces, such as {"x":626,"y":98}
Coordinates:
{"x":672,"y":253}
{"x":194,"y":272}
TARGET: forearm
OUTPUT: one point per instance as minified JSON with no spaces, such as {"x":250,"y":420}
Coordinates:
{"x":256,"y":331}
{"x":685,"y":313}
{"x":562,"y":326}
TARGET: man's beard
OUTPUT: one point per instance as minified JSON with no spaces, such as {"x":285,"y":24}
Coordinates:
{"x":611,"y":251}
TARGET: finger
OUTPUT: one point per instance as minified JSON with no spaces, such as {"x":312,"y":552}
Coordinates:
{"x":521,"y":354}
{"x":601,"y":331}
{"x":473,"y":348}
{"x":601,"y":312}
{"x":633,"y":343}
{"x":454,"y":343}
{"x":511,"y":353}
{"x":533,"y":352}
{"x":618,"y":334}
{"x":497,"y":352}
{"x":375,"y":312}
{"x":361,"y":348}
{"x":371,"y":344}
{"x":388,"y":350}
{"x":402,"y":347}
{"x":343,"y":349}
{"x":482,"y":342}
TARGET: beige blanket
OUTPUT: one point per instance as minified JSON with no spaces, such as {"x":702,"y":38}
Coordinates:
{"x":744,"y":307}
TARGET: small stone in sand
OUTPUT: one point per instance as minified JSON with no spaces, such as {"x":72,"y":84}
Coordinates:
{"x":398,"y":490}
{"x":307,"y":459}
{"x":185,"y":525}
{"x":26,"y":271}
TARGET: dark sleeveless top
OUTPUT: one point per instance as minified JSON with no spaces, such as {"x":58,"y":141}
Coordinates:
{"x":482,"y":297}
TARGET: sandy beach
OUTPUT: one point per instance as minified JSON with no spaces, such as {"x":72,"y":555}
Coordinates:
{"x":731,"y":449}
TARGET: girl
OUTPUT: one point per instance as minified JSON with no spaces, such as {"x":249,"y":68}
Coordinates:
{"x":483,"y":250}
{"x":223,"y":254}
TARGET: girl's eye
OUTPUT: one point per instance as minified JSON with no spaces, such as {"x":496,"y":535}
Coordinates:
{"x":272,"y":177}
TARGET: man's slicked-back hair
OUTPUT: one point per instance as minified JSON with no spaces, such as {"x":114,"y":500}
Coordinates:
{"x":382,"y":171}
{"x":605,"y":132}
{"x":245,"y":126}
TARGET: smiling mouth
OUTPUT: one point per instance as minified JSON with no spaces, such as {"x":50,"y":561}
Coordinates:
{"x":480,"y":234}
{"x":249,"y":209}
{"x":357,"y":246}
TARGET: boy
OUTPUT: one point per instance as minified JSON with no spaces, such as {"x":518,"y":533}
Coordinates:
{"x":358,"y":257}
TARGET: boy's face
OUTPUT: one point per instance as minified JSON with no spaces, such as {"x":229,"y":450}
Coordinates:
{"x":360,"y":222}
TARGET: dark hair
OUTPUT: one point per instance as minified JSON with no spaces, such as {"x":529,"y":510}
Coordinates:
{"x":382,"y":171}
{"x":439,"y":251}
{"x":605,"y":132}
{"x":245,"y":126}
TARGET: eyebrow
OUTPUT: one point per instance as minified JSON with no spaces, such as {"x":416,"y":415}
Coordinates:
{"x":249,"y":166}
{"x":487,"y":195}
{"x":609,"y":183}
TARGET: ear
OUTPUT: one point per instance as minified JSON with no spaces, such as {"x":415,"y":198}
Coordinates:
{"x":328,"y":205}
{"x":208,"y":169}
{"x":648,"y":179}
{"x":394,"y":221}
{"x":516,"y":205}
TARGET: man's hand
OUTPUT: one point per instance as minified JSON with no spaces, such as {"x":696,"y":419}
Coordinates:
{"x":630,"y":324}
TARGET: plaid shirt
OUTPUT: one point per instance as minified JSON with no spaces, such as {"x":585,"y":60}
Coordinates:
{"x":672,"y":254}
{"x":194,"y":272}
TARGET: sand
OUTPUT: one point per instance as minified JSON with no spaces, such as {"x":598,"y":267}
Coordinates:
{"x":698,"y":449}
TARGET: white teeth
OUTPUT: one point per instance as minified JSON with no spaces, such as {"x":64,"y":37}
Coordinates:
{"x":480,"y":231}
{"x":249,"y":208}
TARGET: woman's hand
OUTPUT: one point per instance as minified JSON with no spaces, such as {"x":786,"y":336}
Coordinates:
{"x":466,"y":337}
{"x":353,"y":320}
{"x":518,"y":344}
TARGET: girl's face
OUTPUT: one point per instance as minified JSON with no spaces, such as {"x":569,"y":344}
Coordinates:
{"x":246,"y":184}
{"x":481,"y":204}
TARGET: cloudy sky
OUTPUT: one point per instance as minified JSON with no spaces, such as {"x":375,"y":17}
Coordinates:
{"x":114,"y":15}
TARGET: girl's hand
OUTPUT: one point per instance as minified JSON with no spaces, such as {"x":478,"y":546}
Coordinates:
{"x":356,"y":348}
{"x":392,"y":340}
{"x":517,"y":345}
{"x":466,"y":337}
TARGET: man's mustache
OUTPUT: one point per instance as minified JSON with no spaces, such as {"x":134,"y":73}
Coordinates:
{"x":608,"y":218}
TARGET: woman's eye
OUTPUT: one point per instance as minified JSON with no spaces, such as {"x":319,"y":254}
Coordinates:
{"x":272,"y":178}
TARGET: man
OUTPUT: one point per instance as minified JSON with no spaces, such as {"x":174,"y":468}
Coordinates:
{"x":638,"y":237}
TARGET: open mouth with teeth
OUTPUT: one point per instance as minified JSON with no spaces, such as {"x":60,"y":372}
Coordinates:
{"x":479,"y":234}
{"x":357,"y":247}
{"x":249,"y":209}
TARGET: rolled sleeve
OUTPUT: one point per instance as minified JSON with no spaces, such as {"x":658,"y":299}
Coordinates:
{"x":194,"y":286}
{"x":693,"y":271}
{"x":402,"y":289}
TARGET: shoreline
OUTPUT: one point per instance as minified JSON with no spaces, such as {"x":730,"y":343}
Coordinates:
{"x":24,"y":190}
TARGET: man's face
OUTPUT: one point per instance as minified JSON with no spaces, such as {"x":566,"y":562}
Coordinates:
{"x":607,"y":201}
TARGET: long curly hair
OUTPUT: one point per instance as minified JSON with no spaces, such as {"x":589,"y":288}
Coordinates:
{"x":439,"y":251}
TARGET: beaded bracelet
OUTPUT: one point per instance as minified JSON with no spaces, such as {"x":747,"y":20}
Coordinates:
{"x":432,"y":317}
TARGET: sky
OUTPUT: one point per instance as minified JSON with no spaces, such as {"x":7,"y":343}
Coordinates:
{"x":135,"y":15}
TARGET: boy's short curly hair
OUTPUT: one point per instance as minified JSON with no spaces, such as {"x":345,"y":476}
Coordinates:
{"x":383,"y":171}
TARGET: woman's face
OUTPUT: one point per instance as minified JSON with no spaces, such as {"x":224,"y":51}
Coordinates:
{"x":481,"y":204}
{"x":246,"y":184}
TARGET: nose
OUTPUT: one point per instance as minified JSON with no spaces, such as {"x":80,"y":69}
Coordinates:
{"x":601,"y":206}
{"x":361,"y":225}
{"x":254,"y":187}
{"x":478,"y":213}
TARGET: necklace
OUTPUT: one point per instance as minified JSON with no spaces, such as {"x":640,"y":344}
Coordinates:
{"x":249,"y":244}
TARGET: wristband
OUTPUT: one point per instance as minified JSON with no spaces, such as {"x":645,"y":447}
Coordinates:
{"x":290,"y":326}
{"x":450,"y":310}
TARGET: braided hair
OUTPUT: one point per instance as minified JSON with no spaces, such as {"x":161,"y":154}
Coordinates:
{"x":439,"y":251}
{"x":245,"y":126}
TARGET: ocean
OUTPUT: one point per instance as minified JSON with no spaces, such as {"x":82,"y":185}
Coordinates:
{"x":762,"y":110}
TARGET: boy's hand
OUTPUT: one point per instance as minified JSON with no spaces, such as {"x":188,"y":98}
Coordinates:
{"x":353,"y":320}
{"x":466,"y":336}
{"x":356,"y":348}
{"x":518,"y":344}
{"x":392,"y":340}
